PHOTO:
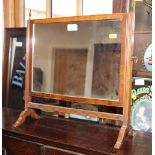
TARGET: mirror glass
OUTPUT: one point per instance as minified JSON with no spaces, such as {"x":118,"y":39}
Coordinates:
{"x":16,"y":72}
{"x":80,"y":59}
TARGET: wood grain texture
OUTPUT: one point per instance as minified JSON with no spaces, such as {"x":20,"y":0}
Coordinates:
{"x":115,"y":16}
{"x":121,"y":137}
{"x":74,"y":135}
{"x":77,"y":99}
{"x":56,"y":151}
{"x":28,"y":78}
{"x":16,"y":146}
{"x":127,"y":48}
{"x":136,"y":73}
{"x":75,"y":111}
{"x":129,"y":66}
{"x":24,"y":114}
{"x":122,"y":84}
{"x":128,"y":27}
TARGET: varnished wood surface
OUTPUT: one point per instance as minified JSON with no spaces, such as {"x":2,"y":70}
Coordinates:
{"x":136,"y":73}
{"x":115,"y":16}
{"x":16,"y":146}
{"x":76,"y":111}
{"x":77,"y":99}
{"x":56,"y":151}
{"x":28,"y":78}
{"x":84,"y":137}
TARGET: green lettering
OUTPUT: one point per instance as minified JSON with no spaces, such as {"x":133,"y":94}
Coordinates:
{"x":134,"y":92}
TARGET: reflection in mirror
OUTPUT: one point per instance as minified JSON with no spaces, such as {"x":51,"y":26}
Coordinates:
{"x":17,"y":72}
{"x":80,"y":59}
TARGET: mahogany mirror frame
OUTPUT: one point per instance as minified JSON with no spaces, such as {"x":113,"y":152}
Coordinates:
{"x":125,"y":77}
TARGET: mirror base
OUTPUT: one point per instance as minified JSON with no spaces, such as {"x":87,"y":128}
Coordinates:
{"x":121,"y":137}
{"x":125,"y":130}
{"x":24,"y":114}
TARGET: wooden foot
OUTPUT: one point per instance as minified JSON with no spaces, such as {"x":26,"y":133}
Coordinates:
{"x":23,"y":115}
{"x":121,"y":137}
{"x":131,"y":132}
{"x":67,"y":116}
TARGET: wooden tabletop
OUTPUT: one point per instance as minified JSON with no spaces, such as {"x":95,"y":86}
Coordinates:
{"x":75,"y":135}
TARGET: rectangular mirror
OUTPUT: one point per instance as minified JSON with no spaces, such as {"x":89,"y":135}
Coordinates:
{"x":80,"y":59}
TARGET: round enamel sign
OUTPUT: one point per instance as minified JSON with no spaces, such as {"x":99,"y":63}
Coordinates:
{"x":148,"y":58}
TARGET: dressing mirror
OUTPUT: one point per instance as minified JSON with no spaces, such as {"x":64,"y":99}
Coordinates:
{"x":85,"y":59}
